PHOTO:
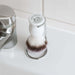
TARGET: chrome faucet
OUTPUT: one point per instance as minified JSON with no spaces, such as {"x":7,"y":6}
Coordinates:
{"x":8,"y":37}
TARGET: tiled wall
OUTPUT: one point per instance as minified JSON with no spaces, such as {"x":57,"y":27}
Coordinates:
{"x":28,"y":6}
{"x":57,"y":10}
{"x":62,"y":10}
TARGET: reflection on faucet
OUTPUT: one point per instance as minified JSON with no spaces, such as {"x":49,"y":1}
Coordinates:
{"x":7,"y":27}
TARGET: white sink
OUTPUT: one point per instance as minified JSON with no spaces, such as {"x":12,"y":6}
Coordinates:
{"x":59,"y":60}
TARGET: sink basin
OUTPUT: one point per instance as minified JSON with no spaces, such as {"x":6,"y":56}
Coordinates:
{"x":59,"y":60}
{"x":8,"y":70}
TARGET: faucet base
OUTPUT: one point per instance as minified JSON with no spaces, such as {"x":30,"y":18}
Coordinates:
{"x":11,"y":42}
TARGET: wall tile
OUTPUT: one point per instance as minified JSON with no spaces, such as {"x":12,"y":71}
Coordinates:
{"x":62,"y":10}
{"x":29,"y":6}
{"x":61,"y":26}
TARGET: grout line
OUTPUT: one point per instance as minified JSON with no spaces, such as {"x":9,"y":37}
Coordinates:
{"x":43,"y":7}
{"x":22,"y":11}
{"x":43,"y":15}
{"x":52,"y":18}
{"x":60,"y":21}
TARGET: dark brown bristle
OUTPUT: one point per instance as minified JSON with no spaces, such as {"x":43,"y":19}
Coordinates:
{"x":34,"y":48}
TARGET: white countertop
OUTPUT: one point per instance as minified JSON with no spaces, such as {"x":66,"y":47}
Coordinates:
{"x":59,"y":59}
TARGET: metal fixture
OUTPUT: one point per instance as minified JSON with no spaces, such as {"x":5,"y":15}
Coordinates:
{"x":8,"y":37}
